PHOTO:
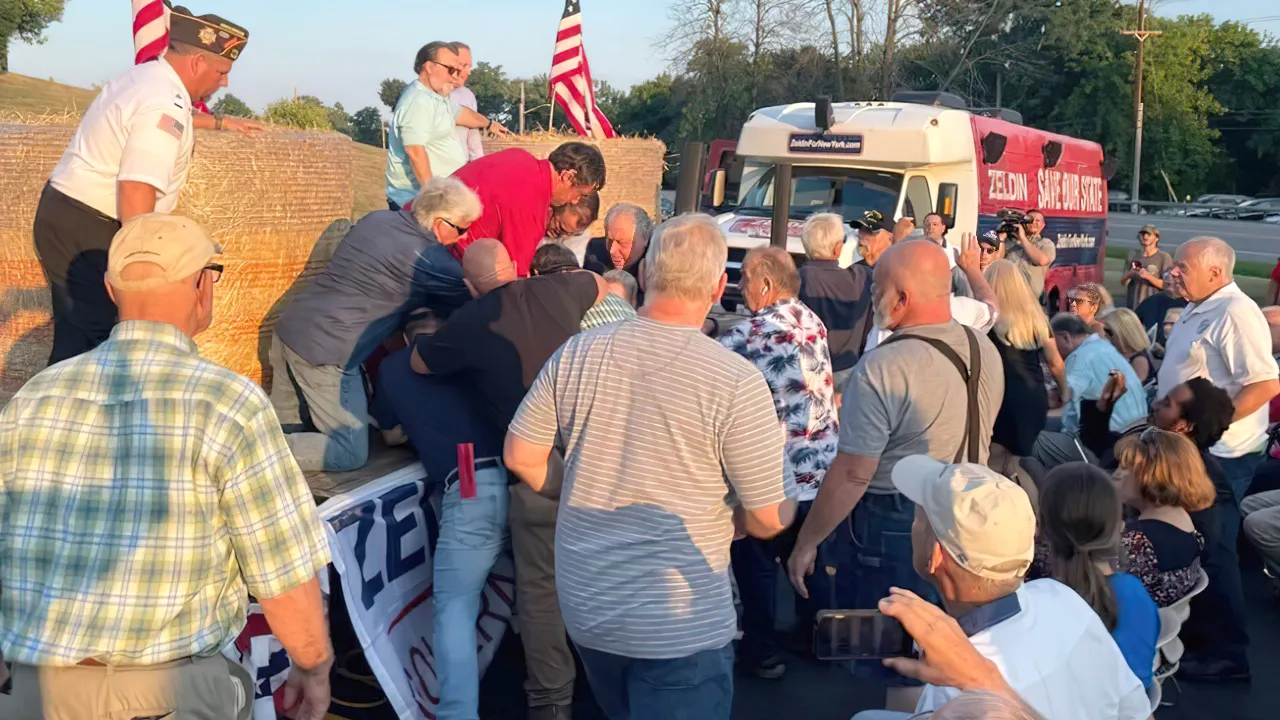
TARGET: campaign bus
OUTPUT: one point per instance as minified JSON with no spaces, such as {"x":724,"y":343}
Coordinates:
{"x":922,"y":153}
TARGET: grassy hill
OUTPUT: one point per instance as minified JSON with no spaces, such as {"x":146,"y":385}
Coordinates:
{"x":19,"y":93}
{"x":24,"y":95}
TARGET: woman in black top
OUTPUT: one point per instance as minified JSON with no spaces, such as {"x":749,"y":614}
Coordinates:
{"x":1022,"y":336}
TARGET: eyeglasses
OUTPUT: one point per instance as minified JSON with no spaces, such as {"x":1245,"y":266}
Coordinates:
{"x":461,"y":230}
{"x":454,"y":71}
{"x":215,"y":271}
{"x":1078,"y":301}
{"x":989,"y":249}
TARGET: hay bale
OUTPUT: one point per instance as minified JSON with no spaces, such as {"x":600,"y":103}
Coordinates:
{"x":633,"y":167}
{"x":268,"y":200}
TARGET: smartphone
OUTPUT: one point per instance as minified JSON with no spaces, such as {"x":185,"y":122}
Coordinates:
{"x":1136,"y":264}
{"x":859,"y":635}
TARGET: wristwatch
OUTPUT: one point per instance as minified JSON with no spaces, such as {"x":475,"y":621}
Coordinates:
{"x":486,"y":127}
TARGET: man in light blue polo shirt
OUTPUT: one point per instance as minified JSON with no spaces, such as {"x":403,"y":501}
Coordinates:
{"x":422,"y":143}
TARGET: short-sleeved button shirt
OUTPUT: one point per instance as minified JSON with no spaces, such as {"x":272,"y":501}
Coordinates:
{"x":138,"y":129}
{"x":146,"y":492}
{"x":426,"y":118}
{"x":1225,"y":338}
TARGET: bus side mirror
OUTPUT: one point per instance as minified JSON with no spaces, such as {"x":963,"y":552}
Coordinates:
{"x":718,"y":179}
{"x":947,"y":195}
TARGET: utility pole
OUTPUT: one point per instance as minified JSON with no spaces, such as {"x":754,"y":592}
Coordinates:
{"x":522,"y":107}
{"x":1141,"y":34}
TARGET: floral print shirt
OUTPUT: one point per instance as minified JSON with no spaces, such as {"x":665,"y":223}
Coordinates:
{"x":788,"y":343}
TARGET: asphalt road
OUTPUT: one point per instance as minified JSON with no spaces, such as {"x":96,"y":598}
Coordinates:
{"x":1257,"y":241}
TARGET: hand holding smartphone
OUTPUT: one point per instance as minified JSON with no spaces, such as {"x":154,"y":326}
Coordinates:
{"x":859,"y":635}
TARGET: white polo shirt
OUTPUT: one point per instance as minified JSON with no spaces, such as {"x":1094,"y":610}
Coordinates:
{"x":1058,"y":656}
{"x":1226,"y":340}
{"x":138,"y":129}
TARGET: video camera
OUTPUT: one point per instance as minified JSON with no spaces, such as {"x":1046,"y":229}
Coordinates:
{"x":1010,"y":219}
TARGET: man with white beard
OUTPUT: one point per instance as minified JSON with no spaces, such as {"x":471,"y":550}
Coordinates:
{"x":911,"y":395}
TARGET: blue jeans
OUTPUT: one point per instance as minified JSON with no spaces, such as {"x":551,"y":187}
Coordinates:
{"x":694,"y":687}
{"x":327,"y":399}
{"x":756,"y":565}
{"x":877,"y":557}
{"x":472,"y":534}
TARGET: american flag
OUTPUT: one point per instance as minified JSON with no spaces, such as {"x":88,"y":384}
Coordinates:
{"x":150,"y":30}
{"x":151,"y":34}
{"x":571,"y":77}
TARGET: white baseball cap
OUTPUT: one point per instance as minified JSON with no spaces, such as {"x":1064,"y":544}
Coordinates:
{"x":982,"y":519}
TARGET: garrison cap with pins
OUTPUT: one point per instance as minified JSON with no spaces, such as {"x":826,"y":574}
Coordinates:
{"x":207,"y":32}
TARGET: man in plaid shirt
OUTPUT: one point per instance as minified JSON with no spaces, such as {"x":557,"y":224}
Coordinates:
{"x":145,"y":492}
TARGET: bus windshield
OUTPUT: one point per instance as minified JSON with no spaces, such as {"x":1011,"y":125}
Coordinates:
{"x":848,"y":192}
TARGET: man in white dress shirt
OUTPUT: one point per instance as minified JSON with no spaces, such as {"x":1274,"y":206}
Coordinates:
{"x":462,"y":95}
{"x":130,"y":156}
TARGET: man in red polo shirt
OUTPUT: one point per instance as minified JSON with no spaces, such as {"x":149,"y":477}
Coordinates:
{"x":518,"y":191}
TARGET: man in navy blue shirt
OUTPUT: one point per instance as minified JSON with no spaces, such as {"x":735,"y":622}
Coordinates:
{"x":435,"y":414}
{"x":389,"y":264}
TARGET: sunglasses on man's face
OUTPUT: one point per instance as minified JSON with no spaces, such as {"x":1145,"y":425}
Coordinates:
{"x":454,"y":71}
{"x":989,"y":249}
{"x":215,"y":271}
{"x":461,"y":230}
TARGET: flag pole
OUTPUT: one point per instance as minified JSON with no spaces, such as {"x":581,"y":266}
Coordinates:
{"x":521,"y":107}
{"x":551,"y":115}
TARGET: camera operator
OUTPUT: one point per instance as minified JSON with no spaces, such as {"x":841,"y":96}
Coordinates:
{"x":1031,"y":250}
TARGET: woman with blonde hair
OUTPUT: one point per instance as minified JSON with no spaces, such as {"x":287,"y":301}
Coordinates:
{"x":1123,"y":328}
{"x":1162,"y":476}
{"x":1023,"y":337}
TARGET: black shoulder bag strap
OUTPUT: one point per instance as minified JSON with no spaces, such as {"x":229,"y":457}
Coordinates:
{"x":972,"y":422}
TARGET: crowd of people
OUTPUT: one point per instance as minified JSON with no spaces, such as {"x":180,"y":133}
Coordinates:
{"x":881,"y":434}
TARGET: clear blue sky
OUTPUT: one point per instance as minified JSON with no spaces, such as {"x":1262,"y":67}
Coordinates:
{"x":339,"y":50}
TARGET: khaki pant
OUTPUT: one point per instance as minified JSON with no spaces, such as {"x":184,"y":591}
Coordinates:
{"x":548,"y":660}
{"x":193,"y":689}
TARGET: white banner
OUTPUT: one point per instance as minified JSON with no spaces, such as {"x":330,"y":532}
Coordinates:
{"x":382,"y":537}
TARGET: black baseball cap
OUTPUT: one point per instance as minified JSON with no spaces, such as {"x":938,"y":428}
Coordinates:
{"x":871,"y":221}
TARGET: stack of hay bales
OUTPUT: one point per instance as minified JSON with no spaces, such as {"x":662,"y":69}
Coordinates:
{"x":633,"y":167}
{"x":278,"y":203}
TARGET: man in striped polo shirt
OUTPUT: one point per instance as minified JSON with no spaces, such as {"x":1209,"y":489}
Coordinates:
{"x":652,"y":451}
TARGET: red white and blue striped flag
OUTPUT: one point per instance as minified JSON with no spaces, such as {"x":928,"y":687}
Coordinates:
{"x":571,"y":77}
{"x":151,"y":34}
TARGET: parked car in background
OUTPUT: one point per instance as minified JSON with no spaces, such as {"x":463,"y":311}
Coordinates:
{"x":1118,"y":200}
{"x":1214,"y":199}
{"x":1259,"y":209}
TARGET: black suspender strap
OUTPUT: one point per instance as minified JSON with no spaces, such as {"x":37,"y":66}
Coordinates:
{"x":972,"y":422}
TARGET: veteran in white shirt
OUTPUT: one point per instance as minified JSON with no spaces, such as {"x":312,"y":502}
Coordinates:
{"x":1224,"y":337}
{"x":130,"y":156}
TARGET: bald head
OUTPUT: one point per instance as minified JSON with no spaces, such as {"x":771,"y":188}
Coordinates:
{"x":912,"y":285}
{"x":486,"y":265}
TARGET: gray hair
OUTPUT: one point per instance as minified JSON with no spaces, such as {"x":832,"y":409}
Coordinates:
{"x":1069,"y":323}
{"x":1215,"y":252}
{"x":776,"y":266}
{"x":822,"y":233}
{"x":628,"y":283}
{"x":644,"y":226}
{"x":446,"y":199}
{"x":686,"y":258}
{"x":983,"y":705}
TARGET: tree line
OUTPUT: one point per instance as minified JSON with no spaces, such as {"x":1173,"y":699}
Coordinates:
{"x":1211,"y":123}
